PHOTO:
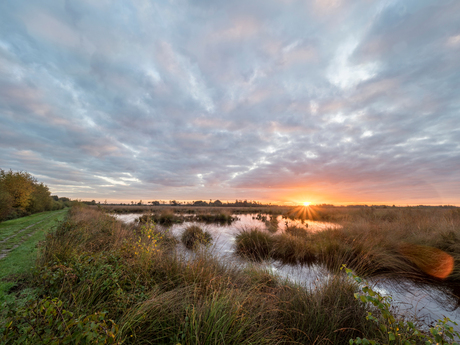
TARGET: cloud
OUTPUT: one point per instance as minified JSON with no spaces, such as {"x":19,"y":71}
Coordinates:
{"x":348,"y":101}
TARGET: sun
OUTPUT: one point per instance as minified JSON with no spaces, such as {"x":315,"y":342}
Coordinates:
{"x":307,"y":203}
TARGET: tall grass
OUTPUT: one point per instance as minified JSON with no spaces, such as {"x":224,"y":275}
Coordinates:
{"x":193,"y":235}
{"x":254,"y":243}
{"x":94,"y":264}
{"x":371,"y":241}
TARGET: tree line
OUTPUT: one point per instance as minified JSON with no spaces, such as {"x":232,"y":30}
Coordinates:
{"x":21,"y":194}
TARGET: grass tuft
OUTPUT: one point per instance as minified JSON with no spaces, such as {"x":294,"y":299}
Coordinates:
{"x":193,"y":235}
{"x":254,"y":244}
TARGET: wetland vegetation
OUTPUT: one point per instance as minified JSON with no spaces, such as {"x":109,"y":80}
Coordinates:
{"x":98,"y":280}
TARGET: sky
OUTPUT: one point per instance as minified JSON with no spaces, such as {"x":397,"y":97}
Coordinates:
{"x":327,"y":101}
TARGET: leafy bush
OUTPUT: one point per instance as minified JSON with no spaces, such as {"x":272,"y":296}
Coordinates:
{"x":46,"y":322}
{"x":396,"y":331}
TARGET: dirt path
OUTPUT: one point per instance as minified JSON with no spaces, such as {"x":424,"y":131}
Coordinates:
{"x":4,"y":252}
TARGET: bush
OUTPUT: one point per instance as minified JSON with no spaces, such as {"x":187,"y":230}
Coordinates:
{"x":46,"y":322}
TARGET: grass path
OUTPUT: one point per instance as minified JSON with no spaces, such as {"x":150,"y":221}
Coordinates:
{"x":18,"y":247}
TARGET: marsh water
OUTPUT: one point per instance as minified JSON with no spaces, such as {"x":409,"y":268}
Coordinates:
{"x":425,"y":302}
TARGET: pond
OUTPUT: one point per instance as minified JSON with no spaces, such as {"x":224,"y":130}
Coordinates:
{"x":427,"y":303}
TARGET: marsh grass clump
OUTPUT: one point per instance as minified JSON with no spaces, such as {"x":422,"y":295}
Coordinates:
{"x":329,"y":315}
{"x":165,"y":217}
{"x":220,"y":217}
{"x":187,"y":316}
{"x":293,"y":250}
{"x":194,"y":235}
{"x":254,"y":244}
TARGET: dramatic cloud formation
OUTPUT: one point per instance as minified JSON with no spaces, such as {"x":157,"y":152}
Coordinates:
{"x":281,"y":100}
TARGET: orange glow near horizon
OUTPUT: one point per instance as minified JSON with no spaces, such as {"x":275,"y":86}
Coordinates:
{"x":307,"y":203}
{"x":304,"y":212}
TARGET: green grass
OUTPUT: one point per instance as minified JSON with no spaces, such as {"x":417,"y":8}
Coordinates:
{"x":9,"y":227}
{"x":21,"y":260}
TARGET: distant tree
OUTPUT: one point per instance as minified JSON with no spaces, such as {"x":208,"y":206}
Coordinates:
{"x":40,"y":199}
{"x":21,"y":194}
{"x":200,"y":203}
{"x":140,"y":203}
{"x":19,"y":185}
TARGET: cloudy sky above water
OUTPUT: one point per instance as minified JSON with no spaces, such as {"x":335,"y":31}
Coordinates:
{"x":326,"y":101}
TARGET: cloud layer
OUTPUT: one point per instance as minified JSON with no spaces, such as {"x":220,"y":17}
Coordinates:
{"x":329,"y":101}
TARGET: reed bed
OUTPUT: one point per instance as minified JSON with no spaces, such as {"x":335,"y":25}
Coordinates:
{"x":372,"y":241}
{"x":186,"y":209}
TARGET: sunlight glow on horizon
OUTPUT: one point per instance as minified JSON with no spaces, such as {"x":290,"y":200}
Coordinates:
{"x":307,"y":203}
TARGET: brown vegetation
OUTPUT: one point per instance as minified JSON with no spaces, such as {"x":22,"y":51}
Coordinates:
{"x":375,"y":241}
{"x":150,"y":294}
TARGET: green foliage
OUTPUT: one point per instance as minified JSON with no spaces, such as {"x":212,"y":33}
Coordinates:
{"x":21,"y":195}
{"x":148,"y":239}
{"x":40,"y":199}
{"x":19,"y":185}
{"x":47,"y":322}
{"x":396,"y":331}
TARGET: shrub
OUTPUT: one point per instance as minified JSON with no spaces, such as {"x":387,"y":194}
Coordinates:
{"x":47,"y":322}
